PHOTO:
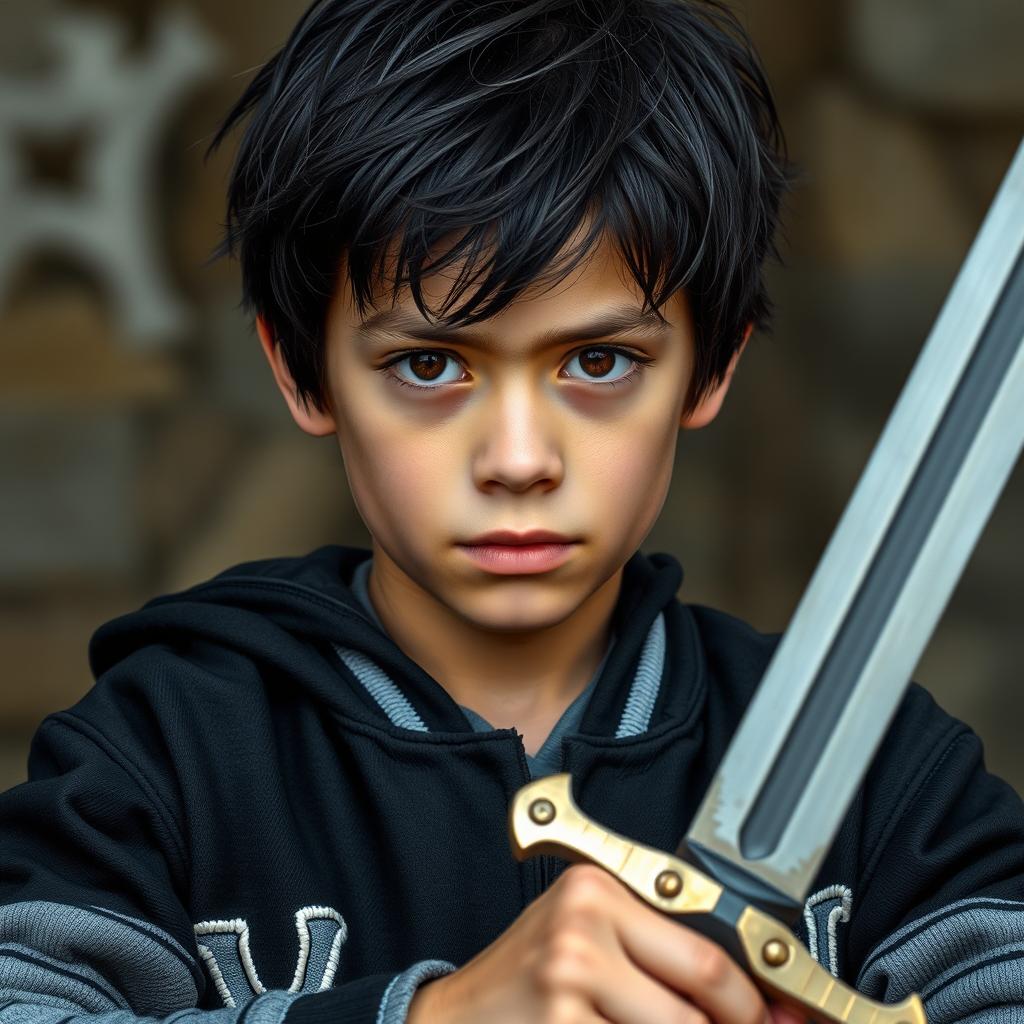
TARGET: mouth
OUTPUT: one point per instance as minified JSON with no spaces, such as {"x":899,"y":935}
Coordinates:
{"x":519,"y":559}
{"x":522,"y":538}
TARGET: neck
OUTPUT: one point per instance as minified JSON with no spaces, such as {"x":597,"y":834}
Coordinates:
{"x":523,"y":678}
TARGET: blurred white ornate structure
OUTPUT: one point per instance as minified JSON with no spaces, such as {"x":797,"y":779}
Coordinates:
{"x":122,"y":103}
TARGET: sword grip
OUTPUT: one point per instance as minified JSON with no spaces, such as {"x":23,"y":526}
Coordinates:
{"x":544,"y":819}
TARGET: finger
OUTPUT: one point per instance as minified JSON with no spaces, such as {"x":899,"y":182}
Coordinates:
{"x":783,"y":1015}
{"x":691,"y":964}
{"x":589,"y":966}
{"x":577,"y":1010}
{"x":627,"y":995}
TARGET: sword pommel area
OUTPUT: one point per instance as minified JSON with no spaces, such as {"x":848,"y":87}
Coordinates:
{"x":544,"y":819}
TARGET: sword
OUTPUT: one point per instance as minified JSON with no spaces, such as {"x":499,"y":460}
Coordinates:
{"x":836,"y":679}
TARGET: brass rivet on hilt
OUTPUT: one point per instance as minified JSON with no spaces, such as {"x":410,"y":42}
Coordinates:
{"x":542,"y":812}
{"x":668,"y":884}
{"x":775,"y":952}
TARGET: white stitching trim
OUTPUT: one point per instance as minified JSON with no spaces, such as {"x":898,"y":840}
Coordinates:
{"x":837,"y":915}
{"x":241,"y":928}
{"x":302,"y":919}
{"x":218,"y":979}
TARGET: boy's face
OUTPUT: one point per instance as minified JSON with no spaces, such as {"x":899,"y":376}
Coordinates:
{"x":508,"y":430}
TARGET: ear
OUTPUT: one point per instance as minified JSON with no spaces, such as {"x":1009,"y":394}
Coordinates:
{"x":711,"y":403}
{"x":312,"y":421}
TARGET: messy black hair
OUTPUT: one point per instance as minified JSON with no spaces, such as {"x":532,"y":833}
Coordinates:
{"x":391,"y":124}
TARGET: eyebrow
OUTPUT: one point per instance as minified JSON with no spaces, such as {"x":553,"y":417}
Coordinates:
{"x":616,"y":320}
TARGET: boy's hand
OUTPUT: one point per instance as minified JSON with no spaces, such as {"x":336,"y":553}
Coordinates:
{"x":588,"y":950}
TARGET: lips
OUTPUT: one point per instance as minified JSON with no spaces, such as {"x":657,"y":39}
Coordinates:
{"x":512,"y":538}
{"x":519,"y":559}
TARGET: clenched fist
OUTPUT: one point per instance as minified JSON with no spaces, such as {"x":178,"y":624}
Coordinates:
{"x":586,"y":951}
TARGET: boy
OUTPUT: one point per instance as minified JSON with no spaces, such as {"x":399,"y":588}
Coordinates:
{"x":285,"y":797}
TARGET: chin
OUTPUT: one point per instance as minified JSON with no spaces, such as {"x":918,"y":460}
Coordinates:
{"x":518,"y":614}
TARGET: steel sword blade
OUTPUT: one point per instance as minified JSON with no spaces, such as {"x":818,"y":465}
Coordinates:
{"x":845,"y":660}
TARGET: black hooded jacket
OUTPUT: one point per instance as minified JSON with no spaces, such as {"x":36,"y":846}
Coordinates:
{"x":262,"y":796}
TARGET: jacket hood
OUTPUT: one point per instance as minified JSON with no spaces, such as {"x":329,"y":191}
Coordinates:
{"x":299,"y":616}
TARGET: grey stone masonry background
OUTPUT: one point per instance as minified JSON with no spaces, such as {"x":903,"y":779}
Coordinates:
{"x":126,"y":474}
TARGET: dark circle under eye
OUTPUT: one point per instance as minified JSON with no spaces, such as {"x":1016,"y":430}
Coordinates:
{"x":432,"y":363}
{"x":597,"y":361}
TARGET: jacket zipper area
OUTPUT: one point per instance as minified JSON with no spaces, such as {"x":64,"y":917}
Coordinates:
{"x":542,"y":873}
{"x":546,"y":869}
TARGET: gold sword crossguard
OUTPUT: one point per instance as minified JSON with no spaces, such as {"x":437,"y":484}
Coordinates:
{"x":543,"y":819}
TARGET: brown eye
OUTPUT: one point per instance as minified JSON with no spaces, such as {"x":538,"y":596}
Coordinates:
{"x":606,"y":366}
{"x":597,"y":362}
{"x":427,"y":365}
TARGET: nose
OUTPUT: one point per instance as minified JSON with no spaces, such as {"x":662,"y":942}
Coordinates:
{"x":518,"y":446}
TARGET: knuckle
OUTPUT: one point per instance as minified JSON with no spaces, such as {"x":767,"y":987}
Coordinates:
{"x":584,"y":885}
{"x":574,"y":923}
{"x":711,"y":966}
{"x":568,"y":962}
{"x":562,"y":1010}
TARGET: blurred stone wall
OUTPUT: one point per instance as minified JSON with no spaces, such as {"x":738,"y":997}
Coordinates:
{"x":130,"y":467}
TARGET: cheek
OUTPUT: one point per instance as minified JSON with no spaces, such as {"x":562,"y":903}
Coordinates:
{"x":388,"y":475}
{"x":632,"y":462}
{"x":629,"y":482}
{"x":630,"y":451}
